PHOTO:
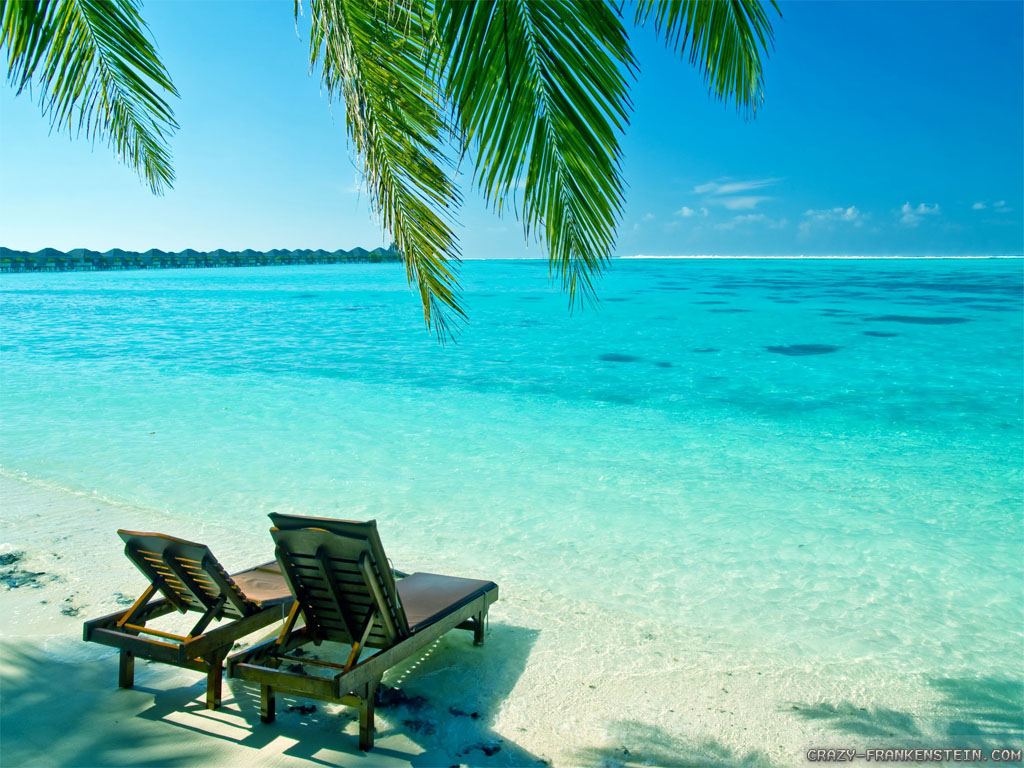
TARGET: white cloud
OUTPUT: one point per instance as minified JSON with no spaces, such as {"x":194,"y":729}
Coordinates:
{"x":827,"y":216}
{"x":753,"y":218}
{"x":731,"y":187}
{"x":836,"y":214}
{"x":724,"y":193}
{"x":646,"y":217}
{"x":999,"y":206}
{"x":740,"y":202}
{"x":912,"y":216}
{"x":686,"y":212}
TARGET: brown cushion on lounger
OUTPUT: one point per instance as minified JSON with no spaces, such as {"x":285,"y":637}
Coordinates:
{"x":428,"y":597}
{"x":263,"y":584}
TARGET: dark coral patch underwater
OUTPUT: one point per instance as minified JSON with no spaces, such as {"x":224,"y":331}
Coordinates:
{"x":801,"y":350}
{"x":920,"y":320}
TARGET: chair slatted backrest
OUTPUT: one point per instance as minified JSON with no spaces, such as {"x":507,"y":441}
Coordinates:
{"x":340,"y":586}
{"x":360,"y":529}
{"x":186,"y":573}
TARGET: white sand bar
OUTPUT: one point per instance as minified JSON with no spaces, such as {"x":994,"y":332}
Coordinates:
{"x":557,"y":682}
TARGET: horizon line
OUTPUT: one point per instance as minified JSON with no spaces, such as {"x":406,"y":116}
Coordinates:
{"x":815,"y":256}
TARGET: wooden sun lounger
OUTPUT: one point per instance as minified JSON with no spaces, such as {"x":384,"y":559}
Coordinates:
{"x":346,"y":593}
{"x":190,"y":579}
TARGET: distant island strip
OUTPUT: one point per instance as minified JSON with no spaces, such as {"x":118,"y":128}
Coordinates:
{"x":82,"y":259}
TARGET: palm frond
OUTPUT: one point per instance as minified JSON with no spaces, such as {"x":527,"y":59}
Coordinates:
{"x":98,"y":73}
{"x":374,"y":56}
{"x":539,"y":89}
{"x":725,"y":40}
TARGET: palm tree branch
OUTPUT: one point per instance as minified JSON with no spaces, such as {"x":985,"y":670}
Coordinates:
{"x":99,"y":75}
{"x":539,"y":89}
{"x":725,"y":39}
{"x":373,"y":55}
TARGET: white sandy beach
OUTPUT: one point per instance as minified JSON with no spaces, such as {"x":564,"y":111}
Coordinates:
{"x":556,"y":682}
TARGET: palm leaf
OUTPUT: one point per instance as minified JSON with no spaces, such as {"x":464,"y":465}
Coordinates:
{"x":539,"y":90}
{"x":98,"y":73}
{"x":374,"y":56}
{"x":725,"y":39}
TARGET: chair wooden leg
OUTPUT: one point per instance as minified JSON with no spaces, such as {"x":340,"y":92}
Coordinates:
{"x":267,"y":704}
{"x":478,"y":630}
{"x":126,"y":669}
{"x":366,"y":706}
{"x":214,"y":678}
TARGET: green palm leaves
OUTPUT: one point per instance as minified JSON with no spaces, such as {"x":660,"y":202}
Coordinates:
{"x":540,"y":93}
{"x":374,"y":54}
{"x":725,"y":38}
{"x":534,"y":92}
{"x":98,"y":74}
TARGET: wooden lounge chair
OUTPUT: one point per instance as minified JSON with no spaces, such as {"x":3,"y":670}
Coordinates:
{"x":190,"y":579}
{"x":346,"y":593}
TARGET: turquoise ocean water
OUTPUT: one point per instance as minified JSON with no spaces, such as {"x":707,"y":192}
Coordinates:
{"x":816,"y":461}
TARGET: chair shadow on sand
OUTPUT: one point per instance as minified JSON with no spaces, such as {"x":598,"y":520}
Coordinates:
{"x":438,"y":705}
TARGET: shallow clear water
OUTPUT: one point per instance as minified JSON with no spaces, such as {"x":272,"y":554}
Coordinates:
{"x":816,"y":462}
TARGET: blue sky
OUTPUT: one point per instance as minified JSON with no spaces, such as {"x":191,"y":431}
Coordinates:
{"x":888,"y":128}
